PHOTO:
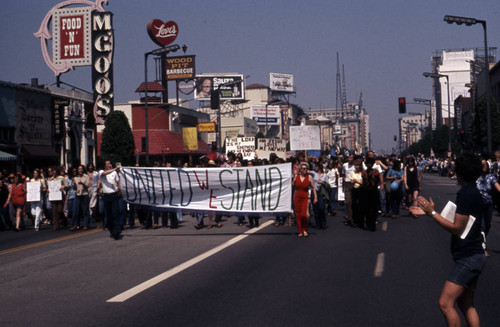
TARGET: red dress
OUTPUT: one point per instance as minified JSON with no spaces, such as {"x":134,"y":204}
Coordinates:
{"x":301,"y":201}
{"x":18,"y":195}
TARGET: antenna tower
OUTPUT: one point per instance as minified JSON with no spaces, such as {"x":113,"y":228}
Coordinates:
{"x":338,"y":99}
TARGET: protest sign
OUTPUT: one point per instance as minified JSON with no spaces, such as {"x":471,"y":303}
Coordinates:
{"x":304,"y":138}
{"x":267,"y":146}
{"x":33,"y":191}
{"x":259,"y":189}
{"x":243,"y":145}
{"x":55,"y":193}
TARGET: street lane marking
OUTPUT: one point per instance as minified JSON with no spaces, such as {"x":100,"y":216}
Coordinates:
{"x":379,"y":266}
{"x":172,"y":272}
{"x":384,"y":226}
{"x":55,"y":240}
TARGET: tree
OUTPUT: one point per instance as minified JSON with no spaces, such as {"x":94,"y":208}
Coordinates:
{"x":479,"y":130}
{"x":440,"y":140}
{"x":117,"y":139}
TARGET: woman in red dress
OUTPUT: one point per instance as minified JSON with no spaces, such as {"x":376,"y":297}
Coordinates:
{"x":18,"y":199}
{"x":302,"y":182}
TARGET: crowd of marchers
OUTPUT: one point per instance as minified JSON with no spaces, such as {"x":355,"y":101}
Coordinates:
{"x":357,"y":189}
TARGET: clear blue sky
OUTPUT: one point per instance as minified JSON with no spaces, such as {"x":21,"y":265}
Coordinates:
{"x":384,"y":45}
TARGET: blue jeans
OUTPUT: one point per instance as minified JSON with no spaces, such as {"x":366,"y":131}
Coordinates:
{"x":241,"y":219}
{"x":396,"y":201}
{"x":486,"y":216}
{"x":123,"y":211}
{"x":199,"y":219}
{"x":80,"y":204}
{"x":382,"y":200}
{"x":102,"y":212}
{"x":319,"y":211}
{"x":333,"y":198}
{"x":71,"y":207}
{"x":4,"y":218}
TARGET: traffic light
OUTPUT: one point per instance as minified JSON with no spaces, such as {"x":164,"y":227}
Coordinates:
{"x":214,"y":146}
{"x":214,"y":99}
{"x":395,"y":138}
{"x":402,"y":105}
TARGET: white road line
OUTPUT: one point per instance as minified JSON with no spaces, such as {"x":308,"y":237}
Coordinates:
{"x":169,"y":273}
{"x":379,"y":266}
{"x":384,"y":226}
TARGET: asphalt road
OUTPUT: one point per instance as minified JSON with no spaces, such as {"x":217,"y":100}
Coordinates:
{"x":235,"y":276}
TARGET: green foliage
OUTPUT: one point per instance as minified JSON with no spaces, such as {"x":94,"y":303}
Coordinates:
{"x":477,"y":142}
{"x":479,"y":127}
{"x":438,"y":141}
{"x":117,"y":139}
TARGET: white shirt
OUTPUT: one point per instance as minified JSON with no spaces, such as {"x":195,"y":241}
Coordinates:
{"x":333,"y":176}
{"x":109,"y":182}
{"x":375,"y":166}
{"x":346,"y":170}
{"x":95,"y":179}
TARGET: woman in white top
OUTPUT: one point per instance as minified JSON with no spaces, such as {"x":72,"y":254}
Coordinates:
{"x":333,"y":181}
{"x":36,"y":206}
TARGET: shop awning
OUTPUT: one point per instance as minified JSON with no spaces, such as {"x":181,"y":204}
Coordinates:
{"x":4,"y":156}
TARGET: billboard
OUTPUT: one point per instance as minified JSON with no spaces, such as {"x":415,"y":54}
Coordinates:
{"x":231,"y":87}
{"x":71,"y":36}
{"x":271,"y":116}
{"x":281,"y":82}
{"x":182,"y":67}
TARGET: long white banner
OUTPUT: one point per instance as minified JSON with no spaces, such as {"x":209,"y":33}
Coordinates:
{"x":258,"y":189}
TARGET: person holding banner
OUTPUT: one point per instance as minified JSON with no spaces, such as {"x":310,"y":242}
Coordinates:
{"x":111,"y":191}
{"x":37,"y":201}
{"x":303,"y":182}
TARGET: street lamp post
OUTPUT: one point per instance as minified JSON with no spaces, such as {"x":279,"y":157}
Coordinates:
{"x":156,"y":52}
{"x":435,"y":75}
{"x":468,"y":22}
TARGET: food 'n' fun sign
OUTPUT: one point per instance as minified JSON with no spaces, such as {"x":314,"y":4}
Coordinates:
{"x":82,"y":36}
